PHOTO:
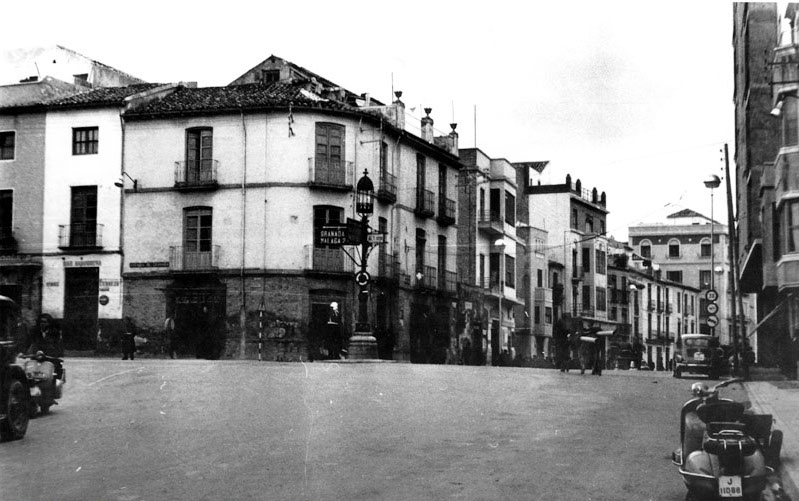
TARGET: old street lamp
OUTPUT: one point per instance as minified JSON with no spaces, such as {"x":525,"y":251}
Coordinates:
{"x":364,"y":196}
{"x":362,"y":344}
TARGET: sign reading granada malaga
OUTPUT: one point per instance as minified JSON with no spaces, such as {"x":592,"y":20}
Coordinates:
{"x":333,"y":234}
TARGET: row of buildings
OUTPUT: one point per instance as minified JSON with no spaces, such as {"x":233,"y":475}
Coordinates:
{"x":123,"y":199}
{"x":766,"y":70}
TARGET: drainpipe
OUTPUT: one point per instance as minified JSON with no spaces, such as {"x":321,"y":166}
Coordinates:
{"x":121,"y":216}
{"x":243,"y":309}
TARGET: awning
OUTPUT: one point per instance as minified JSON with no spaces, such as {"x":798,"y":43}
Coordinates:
{"x":605,"y":333}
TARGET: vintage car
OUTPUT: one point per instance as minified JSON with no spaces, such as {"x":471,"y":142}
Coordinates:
{"x":14,"y":391}
{"x":698,"y":354}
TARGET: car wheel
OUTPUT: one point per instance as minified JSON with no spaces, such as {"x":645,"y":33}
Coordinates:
{"x":677,"y":373}
{"x":16,"y":408}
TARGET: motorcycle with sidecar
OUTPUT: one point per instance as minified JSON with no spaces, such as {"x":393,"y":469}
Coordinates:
{"x":46,"y":379}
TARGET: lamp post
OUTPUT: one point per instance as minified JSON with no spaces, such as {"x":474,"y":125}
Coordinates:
{"x":363,"y":345}
{"x":712,"y":182}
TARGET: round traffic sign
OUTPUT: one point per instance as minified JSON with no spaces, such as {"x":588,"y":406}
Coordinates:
{"x":712,"y":308}
{"x":712,"y":321}
{"x":711,"y":295}
{"x":362,"y":278}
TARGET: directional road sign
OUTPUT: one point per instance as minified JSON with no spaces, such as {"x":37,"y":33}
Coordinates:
{"x":376,"y":238}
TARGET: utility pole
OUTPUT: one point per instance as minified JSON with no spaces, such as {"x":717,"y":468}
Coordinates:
{"x":734,"y":271}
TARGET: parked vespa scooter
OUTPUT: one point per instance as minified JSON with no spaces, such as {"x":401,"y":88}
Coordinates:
{"x":726,"y":452}
{"x":46,"y":378}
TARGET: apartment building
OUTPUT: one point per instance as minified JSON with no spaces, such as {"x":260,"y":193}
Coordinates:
{"x":61,"y":209}
{"x":767,"y":163}
{"x":234,"y":189}
{"x":687,"y":249}
{"x":574,"y":218}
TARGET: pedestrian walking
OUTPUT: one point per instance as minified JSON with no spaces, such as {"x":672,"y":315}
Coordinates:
{"x":171,"y":337}
{"x":129,"y":339}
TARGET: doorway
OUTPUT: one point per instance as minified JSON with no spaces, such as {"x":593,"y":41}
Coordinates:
{"x":82,"y":287}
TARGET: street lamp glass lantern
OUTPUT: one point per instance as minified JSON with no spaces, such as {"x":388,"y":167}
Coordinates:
{"x":364,"y":195}
{"x":713,"y":181}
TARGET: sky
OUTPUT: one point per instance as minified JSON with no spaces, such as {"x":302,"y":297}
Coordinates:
{"x":633,"y":98}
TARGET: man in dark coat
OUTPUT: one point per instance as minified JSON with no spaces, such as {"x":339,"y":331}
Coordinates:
{"x":129,"y":339}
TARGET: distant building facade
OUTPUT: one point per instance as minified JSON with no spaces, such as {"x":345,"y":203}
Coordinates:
{"x":686,"y":250}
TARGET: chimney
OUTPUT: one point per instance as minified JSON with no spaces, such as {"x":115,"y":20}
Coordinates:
{"x":453,"y":140}
{"x":399,"y":111}
{"x":427,"y":126}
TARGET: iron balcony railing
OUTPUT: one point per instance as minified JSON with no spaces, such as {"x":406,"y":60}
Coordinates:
{"x":428,"y":279}
{"x":330,"y":173}
{"x":491,"y":222}
{"x":387,"y":187}
{"x":425,"y":203}
{"x":446,"y":211}
{"x":183,"y":258}
{"x":324,"y":259}
{"x":196,"y":173}
{"x":387,"y":266}
{"x":447,"y":280}
{"x":80,"y":235}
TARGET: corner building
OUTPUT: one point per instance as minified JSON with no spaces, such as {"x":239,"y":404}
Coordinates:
{"x":222,"y":228}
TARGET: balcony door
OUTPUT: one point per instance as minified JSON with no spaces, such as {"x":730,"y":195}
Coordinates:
{"x":197,"y":238}
{"x":199,"y":155}
{"x":83,"y":217}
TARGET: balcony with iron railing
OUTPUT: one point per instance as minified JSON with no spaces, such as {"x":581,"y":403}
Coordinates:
{"x":387,"y":188}
{"x":491,"y":223}
{"x":196,"y":175}
{"x":651,"y":306}
{"x":327,"y":260}
{"x":387,"y":266}
{"x":189,"y":259}
{"x":427,"y":278}
{"x":446,"y":211}
{"x":80,"y":236}
{"x":329,"y":174}
{"x":447,"y":281}
{"x":425,"y":203}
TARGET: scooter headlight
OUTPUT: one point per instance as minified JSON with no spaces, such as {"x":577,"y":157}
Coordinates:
{"x":699,"y":389}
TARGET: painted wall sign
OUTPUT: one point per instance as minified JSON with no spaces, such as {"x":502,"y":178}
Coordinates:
{"x":81,"y":264}
{"x":151,"y":264}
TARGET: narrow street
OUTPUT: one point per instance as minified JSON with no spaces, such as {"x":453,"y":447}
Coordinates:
{"x":200,"y":430}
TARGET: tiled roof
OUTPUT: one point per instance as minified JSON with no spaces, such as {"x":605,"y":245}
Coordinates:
{"x":237,"y":97}
{"x":250,"y":96}
{"x":101,"y":97}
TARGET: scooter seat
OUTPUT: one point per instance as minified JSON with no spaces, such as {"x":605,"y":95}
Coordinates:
{"x":722,"y":411}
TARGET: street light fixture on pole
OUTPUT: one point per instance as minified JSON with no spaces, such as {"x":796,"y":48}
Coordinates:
{"x":712,"y":182}
{"x":362,"y":344}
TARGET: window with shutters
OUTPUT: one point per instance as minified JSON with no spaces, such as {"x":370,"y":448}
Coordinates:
{"x":199,"y":166}
{"x":329,"y":160}
{"x":85,"y":140}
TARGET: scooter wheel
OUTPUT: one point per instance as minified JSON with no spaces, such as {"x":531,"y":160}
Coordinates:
{"x":772,"y":452}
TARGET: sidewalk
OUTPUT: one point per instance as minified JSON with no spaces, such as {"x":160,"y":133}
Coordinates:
{"x":781,"y":400}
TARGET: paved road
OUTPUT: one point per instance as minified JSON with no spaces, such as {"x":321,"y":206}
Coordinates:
{"x":225,"y":430}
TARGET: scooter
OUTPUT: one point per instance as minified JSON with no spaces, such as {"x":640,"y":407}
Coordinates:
{"x":726,"y":451}
{"x":46,"y":379}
